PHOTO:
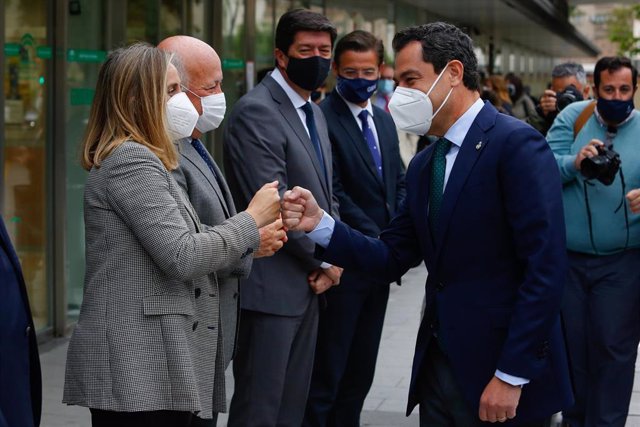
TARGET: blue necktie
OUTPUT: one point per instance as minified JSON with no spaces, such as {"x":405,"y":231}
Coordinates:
{"x":195,"y":143}
{"x":438,"y":168}
{"x":371,"y":141}
{"x":313,"y":134}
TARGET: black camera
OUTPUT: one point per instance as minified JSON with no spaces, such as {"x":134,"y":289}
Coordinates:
{"x":602,"y":167}
{"x":569,"y":95}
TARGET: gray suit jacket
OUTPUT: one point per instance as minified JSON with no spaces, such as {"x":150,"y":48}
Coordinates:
{"x":147,"y":337}
{"x":212,"y":201}
{"x":265,"y":140}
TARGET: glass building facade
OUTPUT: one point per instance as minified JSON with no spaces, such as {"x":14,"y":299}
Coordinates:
{"x":49,"y":64}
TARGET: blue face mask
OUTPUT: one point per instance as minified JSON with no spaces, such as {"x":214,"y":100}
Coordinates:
{"x":356,"y":90}
{"x":613,"y":110}
{"x":386,"y":86}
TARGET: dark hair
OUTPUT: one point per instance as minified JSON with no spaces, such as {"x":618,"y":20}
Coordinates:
{"x":517,"y":85}
{"x":611,"y":64}
{"x":297,"y":20}
{"x":359,"y":41}
{"x":442,"y":43}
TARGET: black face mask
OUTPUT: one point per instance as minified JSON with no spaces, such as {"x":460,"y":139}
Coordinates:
{"x":308,"y":73}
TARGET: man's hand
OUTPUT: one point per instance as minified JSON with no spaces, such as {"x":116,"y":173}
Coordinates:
{"x":588,"y":150}
{"x":319,"y":281}
{"x":633,"y":197}
{"x":499,"y":401}
{"x":334,"y":273}
{"x":548,"y":102}
{"x":272,"y":238}
{"x":300,"y":211}
{"x":265,"y":205}
{"x":322,"y":279}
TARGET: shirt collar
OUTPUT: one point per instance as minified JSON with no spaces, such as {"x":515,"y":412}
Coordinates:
{"x":355,"y":108}
{"x":458,"y":131}
{"x":293,"y":96}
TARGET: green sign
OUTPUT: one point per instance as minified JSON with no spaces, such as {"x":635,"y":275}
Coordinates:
{"x":82,"y":96}
{"x":44,"y":52}
{"x":233,"y":64}
{"x":82,"y":55}
{"x":12,"y":49}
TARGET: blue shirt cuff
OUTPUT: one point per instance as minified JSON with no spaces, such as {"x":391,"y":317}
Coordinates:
{"x":510,"y":379}
{"x":321,"y":235}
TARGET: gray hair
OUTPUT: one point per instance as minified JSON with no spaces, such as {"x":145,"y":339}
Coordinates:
{"x":176,"y":60}
{"x":569,"y":69}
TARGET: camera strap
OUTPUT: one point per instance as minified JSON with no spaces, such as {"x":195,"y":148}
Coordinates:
{"x":623,"y":204}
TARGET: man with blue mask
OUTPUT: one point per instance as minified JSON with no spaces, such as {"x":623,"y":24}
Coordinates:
{"x":386,"y":85}
{"x":483,"y":210}
{"x":596,"y":145}
{"x":276,"y":131}
{"x":197,"y":109}
{"x":368,"y":180}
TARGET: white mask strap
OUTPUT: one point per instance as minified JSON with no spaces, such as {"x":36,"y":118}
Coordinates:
{"x":443,"y":102}
{"x":437,"y":79}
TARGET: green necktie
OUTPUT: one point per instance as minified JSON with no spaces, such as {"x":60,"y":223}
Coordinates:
{"x":438,"y":168}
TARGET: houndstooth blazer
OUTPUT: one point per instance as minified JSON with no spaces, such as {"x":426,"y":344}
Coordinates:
{"x":211,"y":199}
{"x":147,"y":337}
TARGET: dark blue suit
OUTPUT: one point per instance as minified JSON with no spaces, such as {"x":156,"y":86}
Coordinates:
{"x":496,"y":265}
{"x":351,"y":322}
{"x":20,"y":382}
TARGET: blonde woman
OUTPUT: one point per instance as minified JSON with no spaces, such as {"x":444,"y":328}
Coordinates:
{"x":145,"y":350}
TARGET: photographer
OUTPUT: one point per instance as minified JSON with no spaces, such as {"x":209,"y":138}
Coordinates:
{"x":568,"y":85}
{"x":596,"y":147}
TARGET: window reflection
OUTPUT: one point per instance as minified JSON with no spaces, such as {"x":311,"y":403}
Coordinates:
{"x":25,"y":205}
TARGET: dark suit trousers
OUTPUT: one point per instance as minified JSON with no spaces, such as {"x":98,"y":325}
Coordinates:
{"x":601,"y":316}
{"x":272,"y":368}
{"x":441,"y":401}
{"x":100,"y":418}
{"x":346,"y":353}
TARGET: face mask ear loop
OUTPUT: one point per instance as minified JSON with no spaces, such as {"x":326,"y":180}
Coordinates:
{"x":434,"y":85}
{"x":443,"y":103}
{"x":190,"y":91}
{"x":437,"y":79}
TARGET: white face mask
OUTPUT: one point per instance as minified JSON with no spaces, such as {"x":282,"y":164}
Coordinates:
{"x":213,"y":109}
{"x":412,"y":109}
{"x":181,"y":116}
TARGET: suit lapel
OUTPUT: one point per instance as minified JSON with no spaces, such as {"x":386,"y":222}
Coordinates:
{"x":349,"y":124}
{"x":424,"y":183}
{"x":472,"y":147}
{"x":190,"y":153}
{"x":291,"y":116}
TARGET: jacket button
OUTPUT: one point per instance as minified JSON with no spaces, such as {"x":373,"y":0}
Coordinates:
{"x":440,"y":286}
{"x":235,"y":295}
{"x":195,"y":325}
{"x":27,"y":331}
{"x":197,"y":292}
{"x":212,"y":294}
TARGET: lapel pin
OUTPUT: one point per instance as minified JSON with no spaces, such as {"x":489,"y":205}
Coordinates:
{"x":479,"y":145}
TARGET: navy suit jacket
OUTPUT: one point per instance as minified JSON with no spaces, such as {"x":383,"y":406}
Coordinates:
{"x":367,"y":202}
{"x":20,"y":381}
{"x":497,"y":264}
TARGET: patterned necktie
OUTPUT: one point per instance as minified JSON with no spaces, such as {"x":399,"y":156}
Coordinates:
{"x":371,"y":141}
{"x":438,"y":168}
{"x":195,"y":143}
{"x":313,"y":134}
